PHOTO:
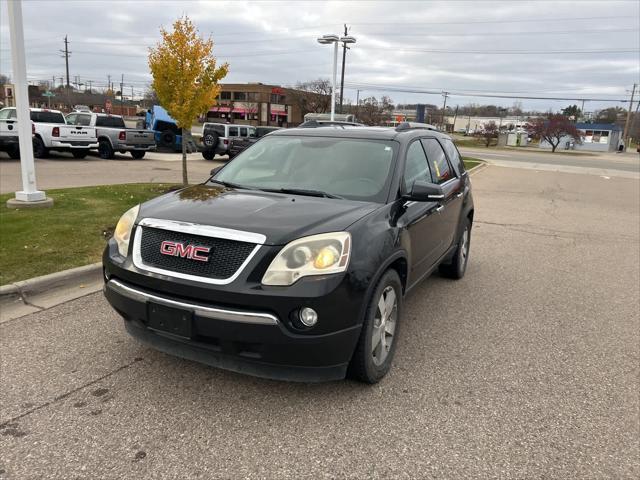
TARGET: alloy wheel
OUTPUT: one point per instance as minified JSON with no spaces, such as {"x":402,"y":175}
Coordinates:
{"x":384,"y":325}
{"x":464,"y":248}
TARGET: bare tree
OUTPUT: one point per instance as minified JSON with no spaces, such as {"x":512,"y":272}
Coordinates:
{"x":372,"y":111}
{"x":488,"y":133}
{"x":313,"y":96}
{"x":553,"y":129}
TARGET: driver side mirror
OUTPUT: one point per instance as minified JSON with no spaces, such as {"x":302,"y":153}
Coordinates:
{"x":216,"y":170}
{"x":425,"y":192}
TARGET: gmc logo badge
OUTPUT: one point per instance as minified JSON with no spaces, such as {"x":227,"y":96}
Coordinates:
{"x":193,"y":252}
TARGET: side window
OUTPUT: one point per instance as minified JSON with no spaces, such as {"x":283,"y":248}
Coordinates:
{"x":233,"y":131}
{"x":243,"y":131}
{"x":416,"y":167}
{"x":84,"y":120}
{"x":440,"y":169}
{"x":454,"y":155}
{"x":5,"y":113}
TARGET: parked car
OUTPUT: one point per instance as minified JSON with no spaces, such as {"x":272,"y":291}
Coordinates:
{"x":51,"y":132}
{"x":81,"y":108}
{"x":329,"y":123}
{"x":113,"y":134}
{"x":292,"y":261}
{"x":216,"y":137}
{"x":9,"y":133}
{"x":240,"y":144}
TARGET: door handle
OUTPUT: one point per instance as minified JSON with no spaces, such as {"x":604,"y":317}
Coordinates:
{"x":458,"y":195}
{"x":440,"y":208}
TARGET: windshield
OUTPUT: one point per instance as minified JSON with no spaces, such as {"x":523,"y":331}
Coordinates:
{"x":356,"y":169}
{"x":47,"y":117}
{"x":108,"y":121}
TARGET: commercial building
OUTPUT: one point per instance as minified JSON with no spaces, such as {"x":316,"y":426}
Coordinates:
{"x":255,"y":104}
{"x":595,"y":137}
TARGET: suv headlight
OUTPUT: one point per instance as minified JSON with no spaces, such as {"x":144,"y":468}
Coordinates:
{"x":315,"y":255}
{"x":122,"y":233}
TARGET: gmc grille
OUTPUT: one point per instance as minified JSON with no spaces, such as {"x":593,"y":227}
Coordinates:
{"x":225,"y":256}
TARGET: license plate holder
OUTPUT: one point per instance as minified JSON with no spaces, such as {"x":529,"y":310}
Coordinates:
{"x":176,"y":321}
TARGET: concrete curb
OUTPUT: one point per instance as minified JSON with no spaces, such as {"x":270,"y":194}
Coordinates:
{"x":85,"y":274}
{"x":478,"y":168}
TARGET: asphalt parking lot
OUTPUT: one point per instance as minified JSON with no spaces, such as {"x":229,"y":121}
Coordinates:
{"x":61,"y":170}
{"x":527,"y":368}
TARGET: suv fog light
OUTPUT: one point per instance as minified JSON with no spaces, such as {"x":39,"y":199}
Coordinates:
{"x":308,"y":317}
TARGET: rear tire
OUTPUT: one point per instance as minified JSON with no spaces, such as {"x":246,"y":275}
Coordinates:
{"x":39,"y":150}
{"x":105,"y":150}
{"x":79,"y":153}
{"x":137,"y":154}
{"x":14,"y":153}
{"x":457,"y":266}
{"x":208,"y":154}
{"x":379,"y":336}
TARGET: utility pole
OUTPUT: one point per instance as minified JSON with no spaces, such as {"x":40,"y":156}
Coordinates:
{"x":444,"y":106}
{"x":626,"y":124}
{"x":455,"y":117}
{"x":344,"y":56}
{"x":53,"y":84}
{"x":89,"y":82}
{"x":66,"y":53}
{"x":122,"y":95}
{"x":132,"y":93}
{"x":108,"y":82}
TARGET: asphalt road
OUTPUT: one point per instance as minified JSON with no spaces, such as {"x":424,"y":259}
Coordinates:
{"x":626,"y":164}
{"x":526,"y":368}
{"x":62,"y":170}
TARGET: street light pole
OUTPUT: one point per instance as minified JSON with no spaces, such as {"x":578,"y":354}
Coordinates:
{"x":327,"y":40}
{"x":29,"y":195}
{"x":333,"y":84}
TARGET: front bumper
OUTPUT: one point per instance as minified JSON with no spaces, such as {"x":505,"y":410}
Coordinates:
{"x":257,"y":342}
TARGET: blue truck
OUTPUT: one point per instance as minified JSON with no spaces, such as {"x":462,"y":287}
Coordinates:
{"x":167,"y":134}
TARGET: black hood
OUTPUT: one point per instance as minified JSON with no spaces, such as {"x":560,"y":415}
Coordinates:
{"x":281,"y":218}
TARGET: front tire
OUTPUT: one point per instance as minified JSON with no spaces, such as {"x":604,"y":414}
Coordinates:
{"x":105,"y":150}
{"x":137,"y":154}
{"x":208,"y":154}
{"x":39,"y":150}
{"x":79,"y":154}
{"x":377,"y":344}
{"x":457,"y":267}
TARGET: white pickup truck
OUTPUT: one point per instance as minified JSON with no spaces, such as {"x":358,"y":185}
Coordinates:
{"x":51,"y":132}
{"x":113,"y":134}
{"x":9,"y":133}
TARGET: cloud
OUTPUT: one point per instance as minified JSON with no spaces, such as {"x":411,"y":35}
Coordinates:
{"x":399,"y":44}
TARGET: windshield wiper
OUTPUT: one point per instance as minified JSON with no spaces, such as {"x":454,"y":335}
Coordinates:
{"x":303,"y":191}
{"x":231,"y":184}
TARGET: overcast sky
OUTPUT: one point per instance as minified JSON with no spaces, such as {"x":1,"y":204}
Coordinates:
{"x":564,"y":48}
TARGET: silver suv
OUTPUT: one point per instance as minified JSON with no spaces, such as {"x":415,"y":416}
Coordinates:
{"x":216,"y":137}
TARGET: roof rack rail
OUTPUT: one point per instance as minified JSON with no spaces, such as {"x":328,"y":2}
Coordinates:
{"x":404,"y":126}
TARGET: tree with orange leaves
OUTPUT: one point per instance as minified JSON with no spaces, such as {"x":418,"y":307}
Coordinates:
{"x":185,"y":76}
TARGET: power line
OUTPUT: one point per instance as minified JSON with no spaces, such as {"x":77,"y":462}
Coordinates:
{"x":501,"y":52}
{"x":469,"y":94}
{"x":504,"y":20}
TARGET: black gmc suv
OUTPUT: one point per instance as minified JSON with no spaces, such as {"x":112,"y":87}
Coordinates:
{"x":292,"y":260}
